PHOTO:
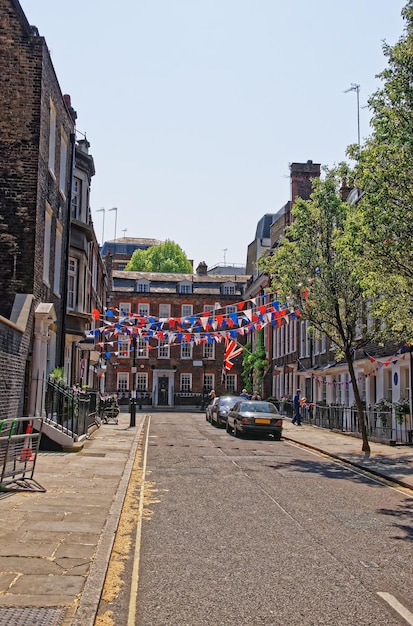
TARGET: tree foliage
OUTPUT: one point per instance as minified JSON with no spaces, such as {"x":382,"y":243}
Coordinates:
{"x":382,"y":231}
{"x":254,"y":364}
{"x":167,"y":257}
{"x":311,"y":270}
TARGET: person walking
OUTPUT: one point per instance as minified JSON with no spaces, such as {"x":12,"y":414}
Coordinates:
{"x":296,"y":405}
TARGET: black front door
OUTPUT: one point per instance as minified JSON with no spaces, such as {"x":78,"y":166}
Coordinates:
{"x":163,"y":399}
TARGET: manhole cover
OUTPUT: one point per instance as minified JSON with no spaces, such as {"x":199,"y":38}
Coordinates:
{"x":33,"y":615}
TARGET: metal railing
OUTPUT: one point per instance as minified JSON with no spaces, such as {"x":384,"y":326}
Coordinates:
{"x":72,"y":411}
{"x":19,"y":445}
{"x":381,"y":425}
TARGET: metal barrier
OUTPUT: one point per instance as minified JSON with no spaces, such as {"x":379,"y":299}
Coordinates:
{"x":19,"y":446}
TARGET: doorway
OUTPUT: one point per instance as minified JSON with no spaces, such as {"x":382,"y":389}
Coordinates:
{"x":163,"y":393}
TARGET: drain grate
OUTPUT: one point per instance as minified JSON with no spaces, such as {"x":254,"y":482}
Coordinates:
{"x":33,"y":615}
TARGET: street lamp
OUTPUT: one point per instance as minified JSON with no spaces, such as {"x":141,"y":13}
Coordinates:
{"x":103,"y":224}
{"x":203,"y":385}
{"x":356,"y":88}
{"x":116,"y":217}
{"x":132,"y":422}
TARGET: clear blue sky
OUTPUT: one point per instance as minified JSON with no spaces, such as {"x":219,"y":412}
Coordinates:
{"x":194,"y":109}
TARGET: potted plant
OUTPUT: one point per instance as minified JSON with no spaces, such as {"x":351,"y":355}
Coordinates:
{"x":402,"y":408}
{"x":383,"y":409}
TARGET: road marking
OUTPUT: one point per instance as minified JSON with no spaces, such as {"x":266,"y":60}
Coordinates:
{"x":395,"y":604}
{"x":135,"y":570}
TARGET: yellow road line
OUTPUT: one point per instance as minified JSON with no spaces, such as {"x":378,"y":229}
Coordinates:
{"x":135,"y":571}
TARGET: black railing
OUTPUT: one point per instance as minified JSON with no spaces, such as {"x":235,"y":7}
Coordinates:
{"x":381,"y":425}
{"x":72,"y":411}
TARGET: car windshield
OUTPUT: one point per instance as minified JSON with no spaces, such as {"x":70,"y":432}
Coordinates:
{"x":227,"y":401}
{"x":258,"y":407}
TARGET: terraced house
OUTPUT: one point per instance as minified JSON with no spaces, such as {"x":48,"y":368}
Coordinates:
{"x":183,"y":371}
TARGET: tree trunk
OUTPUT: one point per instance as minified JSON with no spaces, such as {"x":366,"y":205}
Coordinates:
{"x":359,"y":404}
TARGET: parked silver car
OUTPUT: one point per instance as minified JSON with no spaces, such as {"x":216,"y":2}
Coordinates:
{"x":219,"y":409}
{"x":254,"y":416}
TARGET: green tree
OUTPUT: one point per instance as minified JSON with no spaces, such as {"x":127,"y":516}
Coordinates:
{"x":310,"y":271}
{"x":254,"y":364}
{"x":383,"y":218}
{"x":167,"y":257}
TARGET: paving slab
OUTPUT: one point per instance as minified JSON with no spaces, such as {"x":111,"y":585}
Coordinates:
{"x":51,"y":540}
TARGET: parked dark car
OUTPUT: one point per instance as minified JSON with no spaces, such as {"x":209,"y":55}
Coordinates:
{"x":254,"y":416}
{"x":219,"y":409}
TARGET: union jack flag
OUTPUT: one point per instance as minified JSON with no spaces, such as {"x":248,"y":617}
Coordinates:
{"x":232,"y":350}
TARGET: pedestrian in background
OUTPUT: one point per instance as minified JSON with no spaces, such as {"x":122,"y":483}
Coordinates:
{"x":296,"y":405}
{"x":244,"y":394}
{"x":255,"y":396}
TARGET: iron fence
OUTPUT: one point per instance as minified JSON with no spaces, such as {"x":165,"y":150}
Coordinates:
{"x":71,"y":410}
{"x":383,"y":426}
{"x":19,"y":445}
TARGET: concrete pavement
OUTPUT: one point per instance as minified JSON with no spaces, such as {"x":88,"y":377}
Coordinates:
{"x":56,"y":545}
{"x":394,"y":463}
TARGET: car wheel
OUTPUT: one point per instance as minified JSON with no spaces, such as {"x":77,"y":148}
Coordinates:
{"x":237,"y":433}
{"x":228,"y":428}
{"x":277,"y":436}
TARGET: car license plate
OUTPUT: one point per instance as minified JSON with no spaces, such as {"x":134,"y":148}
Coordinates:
{"x":261,"y":420}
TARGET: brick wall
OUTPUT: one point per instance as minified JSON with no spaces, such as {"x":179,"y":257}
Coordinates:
{"x":27,"y":85}
{"x":14,"y":346}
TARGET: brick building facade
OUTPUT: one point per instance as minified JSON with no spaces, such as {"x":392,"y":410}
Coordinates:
{"x":178,"y":371}
{"x":36,"y":149}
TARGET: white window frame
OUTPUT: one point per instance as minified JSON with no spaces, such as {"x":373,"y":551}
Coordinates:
{"x":58,"y":259}
{"x":125,"y":309}
{"x":208,"y":351}
{"x":164,"y":311}
{"x":77,"y":185}
{"x":141,"y":382}
{"x":164,"y":349}
{"x":122,"y":381}
{"x":187,"y":310}
{"x":142,"y":348}
{"x":143,"y":309}
{"x":209,"y":382}
{"x":142,"y":286}
{"x":73,"y":270}
{"x":185,"y":383}
{"x":231,"y":383}
{"x":185,"y":287}
{"x":186,"y":350}
{"x":124,"y":346}
{"x":228,"y":289}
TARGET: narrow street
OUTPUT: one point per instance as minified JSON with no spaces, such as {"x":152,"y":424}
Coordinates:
{"x":217,"y":530}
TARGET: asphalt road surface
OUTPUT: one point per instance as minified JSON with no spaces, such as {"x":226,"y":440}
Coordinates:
{"x":224,"y":531}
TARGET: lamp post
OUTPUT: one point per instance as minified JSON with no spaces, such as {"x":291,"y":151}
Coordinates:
{"x":203,"y":385}
{"x":356,"y":88}
{"x":103,"y":224}
{"x":132,"y":422}
{"x":116,"y":218}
